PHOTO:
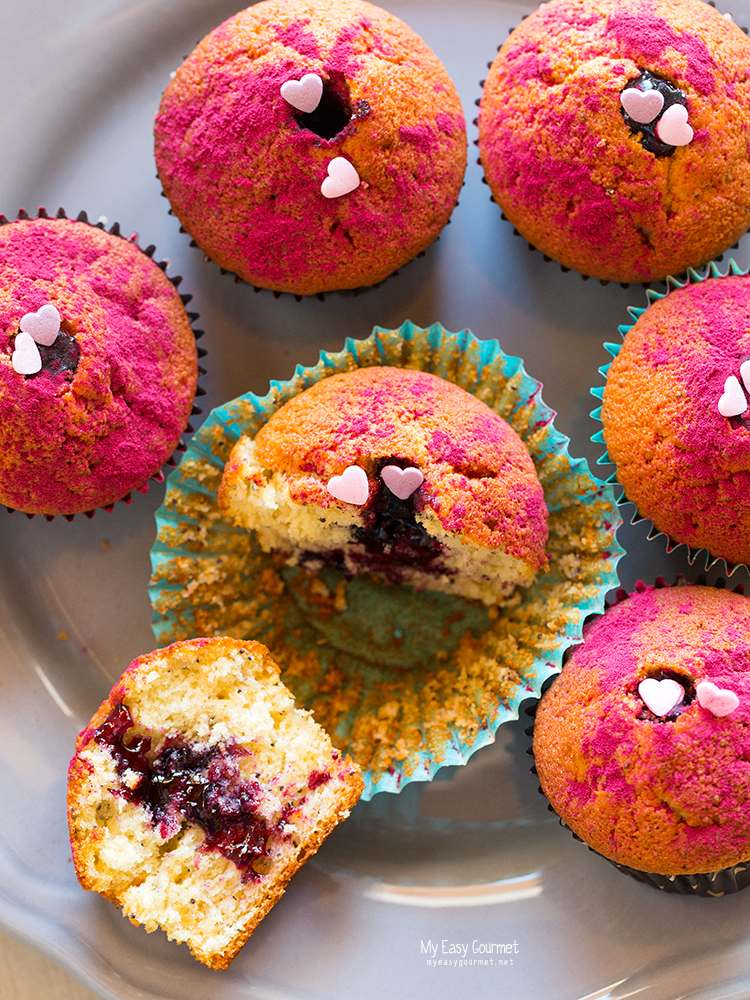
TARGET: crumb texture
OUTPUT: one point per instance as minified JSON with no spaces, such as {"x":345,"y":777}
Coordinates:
{"x":198,"y":789}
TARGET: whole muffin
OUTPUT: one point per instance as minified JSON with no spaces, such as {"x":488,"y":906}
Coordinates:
{"x":614,"y":134}
{"x":683,"y":455}
{"x":398,"y":473}
{"x":198,"y":789}
{"x":96,"y":405}
{"x":642,"y":744}
{"x":308,"y":201}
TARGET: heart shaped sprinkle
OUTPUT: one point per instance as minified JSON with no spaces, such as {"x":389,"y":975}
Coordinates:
{"x":342,"y":178}
{"x":745,"y":374}
{"x":733,"y":401}
{"x":642,"y":105}
{"x":26,"y":359}
{"x":402,"y":482}
{"x":718,"y":701}
{"x":43,"y":325}
{"x":661,"y":696}
{"x":351,"y":486}
{"x":672,"y":128}
{"x":304,"y":94}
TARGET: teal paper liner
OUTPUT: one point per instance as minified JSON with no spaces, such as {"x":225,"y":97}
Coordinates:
{"x":210,"y":578}
{"x":692,"y":277}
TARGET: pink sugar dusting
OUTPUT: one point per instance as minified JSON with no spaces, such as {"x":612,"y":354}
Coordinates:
{"x":643,"y":34}
{"x":297,"y":36}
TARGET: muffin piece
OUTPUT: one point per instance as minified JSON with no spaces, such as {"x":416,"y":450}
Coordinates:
{"x":642,"y":744}
{"x":614,"y":134}
{"x":335,"y":196}
{"x":397,"y":473}
{"x":682,"y":461}
{"x":113,"y":366}
{"x":197,"y":791}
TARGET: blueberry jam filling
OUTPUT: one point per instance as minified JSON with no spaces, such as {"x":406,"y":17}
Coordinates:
{"x":682,"y":706}
{"x":332,"y":114}
{"x":391,"y":533}
{"x":671,"y":94}
{"x":202,"y":784}
{"x":61,"y":356}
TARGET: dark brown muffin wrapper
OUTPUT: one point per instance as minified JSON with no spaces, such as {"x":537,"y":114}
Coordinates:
{"x":718,"y":883}
{"x":149,"y":251}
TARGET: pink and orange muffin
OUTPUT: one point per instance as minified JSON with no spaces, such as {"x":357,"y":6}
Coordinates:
{"x":397,"y":473}
{"x":614,"y":134}
{"x":308,"y":147}
{"x":198,"y":789}
{"x":675,"y":415}
{"x":98,"y":366}
{"x":642,"y":744}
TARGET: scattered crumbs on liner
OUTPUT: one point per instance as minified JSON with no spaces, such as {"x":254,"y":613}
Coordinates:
{"x":62,"y":636}
{"x":105,"y":545}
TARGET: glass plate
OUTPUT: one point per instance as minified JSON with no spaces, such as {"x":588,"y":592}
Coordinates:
{"x":468,"y":869}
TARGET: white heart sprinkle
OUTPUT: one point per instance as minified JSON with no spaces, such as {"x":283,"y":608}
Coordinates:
{"x":718,"y":701}
{"x":351,"y":486}
{"x":43,"y":325}
{"x":342,"y":178}
{"x":672,"y":128}
{"x":642,"y":105}
{"x":661,"y":696}
{"x":26,"y":359}
{"x":733,"y":402}
{"x":304,"y":94}
{"x":745,"y":374}
{"x":402,"y":482}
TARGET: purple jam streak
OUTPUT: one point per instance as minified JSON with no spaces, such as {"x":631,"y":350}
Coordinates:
{"x":200,"y":783}
{"x":61,"y":356}
{"x":671,"y":94}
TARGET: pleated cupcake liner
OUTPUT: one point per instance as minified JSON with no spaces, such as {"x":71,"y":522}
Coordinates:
{"x":149,"y":251}
{"x":405,"y":682}
{"x":693,"y":276}
{"x":716,"y":883}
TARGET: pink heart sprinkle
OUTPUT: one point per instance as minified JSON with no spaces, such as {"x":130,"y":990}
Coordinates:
{"x":672,"y":128}
{"x":342,"y":178}
{"x":661,"y":696}
{"x":642,"y":105}
{"x":26,"y":359}
{"x":718,"y":701}
{"x":402,"y":482}
{"x":351,"y":486}
{"x":732,"y":403}
{"x":304,"y":94}
{"x":43,"y":325}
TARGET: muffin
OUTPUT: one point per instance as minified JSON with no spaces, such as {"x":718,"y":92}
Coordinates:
{"x":397,"y":473}
{"x":98,"y":366}
{"x":675,"y":418}
{"x":308,"y":147}
{"x":642,"y":743}
{"x":614,"y":134}
{"x":198,"y":789}
{"x":408,"y":680}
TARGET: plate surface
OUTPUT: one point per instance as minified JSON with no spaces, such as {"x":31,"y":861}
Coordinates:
{"x":471,"y":866}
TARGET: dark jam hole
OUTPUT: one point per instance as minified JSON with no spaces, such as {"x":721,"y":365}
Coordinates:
{"x":61,"y":356}
{"x":671,"y":94}
{"x":687,"y":699}
{"x":201,"y":784}
{"x":332,"y":115}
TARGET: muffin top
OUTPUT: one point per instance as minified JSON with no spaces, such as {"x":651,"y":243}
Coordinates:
{"x":611,"y":195}
{"x":478,"y":475}
{"x":244,"y":168}
{"x":680,"y":460}
{"x":664,"y":793}
{"x":116,"y":387}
